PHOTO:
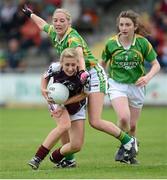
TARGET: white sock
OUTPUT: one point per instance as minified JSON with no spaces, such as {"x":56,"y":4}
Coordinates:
{"x":129,"y":144}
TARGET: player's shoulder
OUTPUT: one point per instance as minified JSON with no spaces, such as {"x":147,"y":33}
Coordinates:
{"x":55,"y":66}
{"x":74,"y":35}
{"x":112,"y":39}
{"x":141,"y":38}
{"x":143,"y":42}
{"x":48,"y":28}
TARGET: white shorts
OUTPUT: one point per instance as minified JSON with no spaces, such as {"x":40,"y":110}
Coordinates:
{"x":81,"y":114}
{"x":134,"y":94}
{"x":98,"y":80}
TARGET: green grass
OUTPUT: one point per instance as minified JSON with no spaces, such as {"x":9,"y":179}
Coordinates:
{"x":23,"y":130}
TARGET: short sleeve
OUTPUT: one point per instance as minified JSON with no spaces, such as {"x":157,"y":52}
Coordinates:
{"x":150,"y":53}
{"x":53,"y":68}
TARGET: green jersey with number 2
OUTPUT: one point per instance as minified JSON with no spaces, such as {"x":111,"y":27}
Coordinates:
{"x":126,"y":65}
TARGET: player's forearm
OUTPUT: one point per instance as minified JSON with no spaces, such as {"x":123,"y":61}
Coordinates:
{"x":76,"y":98}
{"x":81,"y":58}
{"x":82,"y":65}
{"x":38,"y":21}
{"x":44,"y":84}
{"x":154,"y":69}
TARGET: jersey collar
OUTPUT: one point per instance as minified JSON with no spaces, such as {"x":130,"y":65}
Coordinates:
{"x":65,"y":35}
{"x":134,"y":40}
{"x":119,"y":44}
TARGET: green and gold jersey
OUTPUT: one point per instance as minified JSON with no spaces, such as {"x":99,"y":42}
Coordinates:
{"x":71,"y":39}
{"x":127,"y":65}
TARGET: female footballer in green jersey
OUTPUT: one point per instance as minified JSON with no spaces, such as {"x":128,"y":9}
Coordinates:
{"x":125,"y":54}
{"x":64,"y":36}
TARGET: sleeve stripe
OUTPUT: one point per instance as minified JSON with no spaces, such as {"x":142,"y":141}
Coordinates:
{"x":49,"y":30}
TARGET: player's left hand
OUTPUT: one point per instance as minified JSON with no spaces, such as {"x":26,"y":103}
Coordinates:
{"x":84,"y":77}
{"x":57,"y":111}
{"x":27,"y":11}
{"x":142,"y":81}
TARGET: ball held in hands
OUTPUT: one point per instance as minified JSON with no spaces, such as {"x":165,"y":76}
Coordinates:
{"x":58,"y":92}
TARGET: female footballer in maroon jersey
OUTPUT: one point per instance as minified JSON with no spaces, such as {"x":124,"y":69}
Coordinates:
{"x":70,"y":117}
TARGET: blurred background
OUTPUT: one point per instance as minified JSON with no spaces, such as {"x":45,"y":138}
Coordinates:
{"x":25,"y":52}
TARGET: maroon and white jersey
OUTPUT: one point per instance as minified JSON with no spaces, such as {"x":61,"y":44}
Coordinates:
{"x":73,"y":83}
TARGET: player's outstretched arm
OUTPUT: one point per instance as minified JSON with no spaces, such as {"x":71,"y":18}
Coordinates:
{"x":38,"y":20}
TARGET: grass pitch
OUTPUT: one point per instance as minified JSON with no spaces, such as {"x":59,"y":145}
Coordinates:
{"x":23,"y":130}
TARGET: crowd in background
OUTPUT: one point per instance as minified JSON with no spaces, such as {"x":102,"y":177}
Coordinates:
{"x":18,"y":33}
{"x":157,"y":24}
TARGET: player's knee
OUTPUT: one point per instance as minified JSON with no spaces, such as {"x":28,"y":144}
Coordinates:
{"x":93,"y":123}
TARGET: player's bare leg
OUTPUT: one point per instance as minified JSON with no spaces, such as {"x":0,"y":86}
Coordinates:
{"x":63,"y":124}
{"x":75,"y":145}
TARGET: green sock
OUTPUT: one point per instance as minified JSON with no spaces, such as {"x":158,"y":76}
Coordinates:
{"x":69,"y":157}
{"x":124,"y":137}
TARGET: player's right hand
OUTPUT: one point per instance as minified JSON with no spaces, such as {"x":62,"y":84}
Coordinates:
{"x":45,"y":95}
{"x":27,"y":11}
{"x":84,"y":77}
